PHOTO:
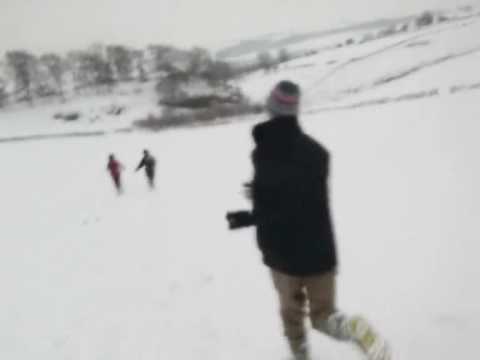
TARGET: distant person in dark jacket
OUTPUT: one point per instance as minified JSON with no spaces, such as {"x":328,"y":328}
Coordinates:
{"x":115,"y":168}
{"x":294,"y":229}
{"x":148,"y":162}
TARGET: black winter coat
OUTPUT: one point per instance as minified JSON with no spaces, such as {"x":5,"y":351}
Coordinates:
{"x":148,"y":162}
{"x":290,"y":199}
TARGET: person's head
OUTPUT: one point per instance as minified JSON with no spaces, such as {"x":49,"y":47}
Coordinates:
{"x":111,"y":157}
{"x":284,"y":99}
{"x":145,"y":152}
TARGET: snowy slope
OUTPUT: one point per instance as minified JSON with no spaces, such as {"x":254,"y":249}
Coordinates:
{"x":85,"y":274}
{"x":152,"y":275}
{"x":403,"y":64}
{"x":299,"y":40}
{"x":407,"y":62}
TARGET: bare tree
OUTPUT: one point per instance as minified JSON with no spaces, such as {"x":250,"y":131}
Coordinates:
{"x":219,"y":72}
{"x":22,"y":64}
{"x":200,"y":61}
{"x":91,"y":70}
{"x":138,"y":65}
{"x":403,"y":28}
{"x":121,"y":60}
{"x":142,"y":73}
{"x":104,"y":76}
{"x":56,"y":68}
{"x":79,"y":69}
{"x":466,"y":8}
{"x":426,"y":19}
{"x":265,"y":60}
{"x":283,"y":55}
{"x":160,"y":57}
{"x":349,"y":42}
{"x":3,"y":94}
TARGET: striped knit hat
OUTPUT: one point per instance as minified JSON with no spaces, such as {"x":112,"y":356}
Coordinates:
{"x":284,"y":99}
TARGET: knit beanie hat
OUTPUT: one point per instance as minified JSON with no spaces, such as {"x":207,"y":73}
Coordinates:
{"x":284,"y":99}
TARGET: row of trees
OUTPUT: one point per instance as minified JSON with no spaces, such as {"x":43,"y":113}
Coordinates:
{"x":196,"y":63}
{"x":99,"y":68}
{"x":32,"y":77}
{"x":28,"y":77}
{"x":181,"y":69}
{"x":425,"y":19}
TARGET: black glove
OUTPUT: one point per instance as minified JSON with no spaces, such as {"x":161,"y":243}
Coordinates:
{"x":239,"y":219}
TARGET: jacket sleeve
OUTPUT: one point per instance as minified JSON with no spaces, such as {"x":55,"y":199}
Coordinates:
{"x":141,"y":164}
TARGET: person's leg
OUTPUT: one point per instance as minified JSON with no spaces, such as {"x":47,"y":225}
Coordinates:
{"x":151,"y":178}
{"x":118,"y":183}
{"x":325,"y":318}
{"x":293,"y":301}
{"x":321,"y":295}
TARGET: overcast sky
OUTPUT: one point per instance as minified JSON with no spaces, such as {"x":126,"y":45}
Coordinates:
{"x":60,"y":25}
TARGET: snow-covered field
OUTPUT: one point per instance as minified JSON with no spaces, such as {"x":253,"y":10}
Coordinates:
{"x":86,"y":274}
{"x":137,"y":100}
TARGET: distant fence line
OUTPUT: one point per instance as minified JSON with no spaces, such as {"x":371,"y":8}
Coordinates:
{"x":465,"y":87}
{"x":23,"y":138}
{"x":380,"y":101}
{"x":404,"y":97}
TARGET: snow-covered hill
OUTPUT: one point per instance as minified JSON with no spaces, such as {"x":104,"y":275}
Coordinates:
{"x":244,"y":49}
{"x":437,"y":58}
{"x":408,"y":65}
{"x":86,"y":274}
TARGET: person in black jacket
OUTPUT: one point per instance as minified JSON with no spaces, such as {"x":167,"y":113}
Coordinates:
{"x":294,"y":229}
{"x":148,"y":162}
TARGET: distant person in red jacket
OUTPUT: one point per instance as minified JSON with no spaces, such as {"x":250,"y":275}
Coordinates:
{"x":115,"y":168}
{"x":148,"y":162}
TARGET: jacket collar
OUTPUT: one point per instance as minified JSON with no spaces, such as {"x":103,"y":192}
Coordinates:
{"x":276,"y":132}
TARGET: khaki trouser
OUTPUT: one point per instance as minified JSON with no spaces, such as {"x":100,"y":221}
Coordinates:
{"x":301,"y":296}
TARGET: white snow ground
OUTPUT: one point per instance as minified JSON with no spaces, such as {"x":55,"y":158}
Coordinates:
{"x":85,"y":274}
{"x":138,"y":100}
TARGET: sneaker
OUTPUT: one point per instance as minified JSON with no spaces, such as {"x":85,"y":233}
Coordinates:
{"x":302,"y":352}
{"x":369,"y":341}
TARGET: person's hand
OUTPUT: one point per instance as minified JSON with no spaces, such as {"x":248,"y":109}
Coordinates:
{"x":239,"y":219}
